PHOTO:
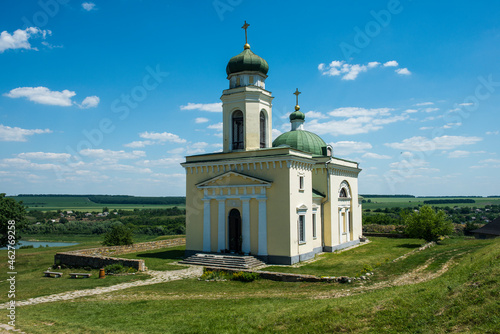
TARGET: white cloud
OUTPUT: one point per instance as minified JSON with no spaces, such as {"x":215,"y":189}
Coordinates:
{"x":217,"y":126}
{"x":419,"y":143}
{"x":492,"y":132}
{"x":8,"y":133}
{"x":458,"y":154}
{"x":43,"y":95}
{"x":351,"y":71}
{"x":354,"y":111}
{"x":18,"y":163}
{"x":424,"y":104}
{"x":389,"y":120}
{"x":351,"y":126}
{"x":349,"y":147}
{"x":275,"y":133}
{"x":451,"y":125}
{"x":391,"y":63}
{"x":137,"y":144}
{"x":426,"y":128}
{"x":430,"y":109}
{"x":20,"y":38}
{"x":411,"y":111}
{"x":490,"y":161}
{"x":45,"y":156}
{"x":88,"y":6}
{"x":403,"y":71}
{"x":375,"y":156}
{"x":165,"y":162}
{"x":90,"y":102}
{"x":211,"y":107}
{"x":111,"y":155}
{"x":314,"y":114}
{"x":199,"y":120}
{"x":348,"y":71}
{"x":162,"y":137}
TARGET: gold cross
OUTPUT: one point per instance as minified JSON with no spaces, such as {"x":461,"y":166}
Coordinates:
{"x":245,"y":26}
{"x":297,"y":93}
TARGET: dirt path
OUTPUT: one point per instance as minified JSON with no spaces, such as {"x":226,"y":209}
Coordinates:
{"x":413,"y":277}
{"x":157,"y":277}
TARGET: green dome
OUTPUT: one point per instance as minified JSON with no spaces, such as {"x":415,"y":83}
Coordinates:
{"x":297,"y":115}
{"x":301,"y":140}
{"x":247,"y":61}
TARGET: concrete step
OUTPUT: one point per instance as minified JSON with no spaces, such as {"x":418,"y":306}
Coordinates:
{"x":223,"y":261}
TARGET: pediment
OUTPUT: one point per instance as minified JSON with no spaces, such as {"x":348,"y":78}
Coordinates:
{"x":233,"y":179}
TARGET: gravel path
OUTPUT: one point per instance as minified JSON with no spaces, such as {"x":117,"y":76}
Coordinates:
{"x":157,"y":277}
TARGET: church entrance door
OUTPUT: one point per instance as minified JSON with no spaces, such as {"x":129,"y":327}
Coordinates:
{"x":235,"y":231}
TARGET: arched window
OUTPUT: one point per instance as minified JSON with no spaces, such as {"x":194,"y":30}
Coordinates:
{"x":263,"y":128}
{"x":344,"y":190}
{"x":237,"y":123}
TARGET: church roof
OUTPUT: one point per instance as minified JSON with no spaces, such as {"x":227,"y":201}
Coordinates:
{"x":302,"y":140}
{"x":247,"y":61}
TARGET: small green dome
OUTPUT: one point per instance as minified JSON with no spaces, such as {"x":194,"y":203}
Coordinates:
{"x":301,"y":140}
{"x":247,"y":61}
{"x":297,"y":115}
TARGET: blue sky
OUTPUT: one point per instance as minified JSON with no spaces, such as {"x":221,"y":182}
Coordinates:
{"x":108,"y":97}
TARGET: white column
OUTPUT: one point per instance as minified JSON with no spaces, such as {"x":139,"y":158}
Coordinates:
{"x":340,"y":226}
{"x":262,"y":226}
{"x":245,"y":225}
{"x":348,"y":230}
{"x":206,"y":225}
{"x":221,"y":230}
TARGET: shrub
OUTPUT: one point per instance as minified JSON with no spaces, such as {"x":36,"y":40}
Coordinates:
{"x":243,"y":276}
{"x":216,"y":275}
{"x":428,"y":224}
{"x":115,"y":268}
{"x":118,"y":235}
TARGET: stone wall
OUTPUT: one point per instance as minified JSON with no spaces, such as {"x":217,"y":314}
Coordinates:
{"x":103,"y":256}
{"x":96,"y":262}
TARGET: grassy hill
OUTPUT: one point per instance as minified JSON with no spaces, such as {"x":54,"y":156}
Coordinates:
{"x":449,"y":288}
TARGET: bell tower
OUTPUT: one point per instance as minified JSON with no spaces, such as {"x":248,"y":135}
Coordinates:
{"x":246,"y":105}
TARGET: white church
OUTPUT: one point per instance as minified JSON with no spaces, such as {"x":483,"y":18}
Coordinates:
{"x":282,"y":201}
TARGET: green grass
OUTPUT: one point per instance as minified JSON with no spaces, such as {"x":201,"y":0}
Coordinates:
{"x":465,"y":299}
{"x":30,"y":265}
{"x":160,"y":259}
{"x":352,"y":262}
{"x":407,"y":202}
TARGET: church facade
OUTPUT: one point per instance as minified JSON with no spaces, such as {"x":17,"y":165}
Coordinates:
{"x":281,"y":201}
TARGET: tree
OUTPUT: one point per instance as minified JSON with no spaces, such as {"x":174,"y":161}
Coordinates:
{"x":11,"y":210}
{"x":427,"y":224}
{"x":118,"y":235}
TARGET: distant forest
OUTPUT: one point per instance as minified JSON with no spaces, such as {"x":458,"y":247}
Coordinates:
{"x":449,"y":201}
{"x":121,"y":199}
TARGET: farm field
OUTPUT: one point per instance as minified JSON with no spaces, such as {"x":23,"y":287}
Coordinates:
{"x":81,"y":203}
{"x":453,"y":285}
{"x":409,"y":202}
